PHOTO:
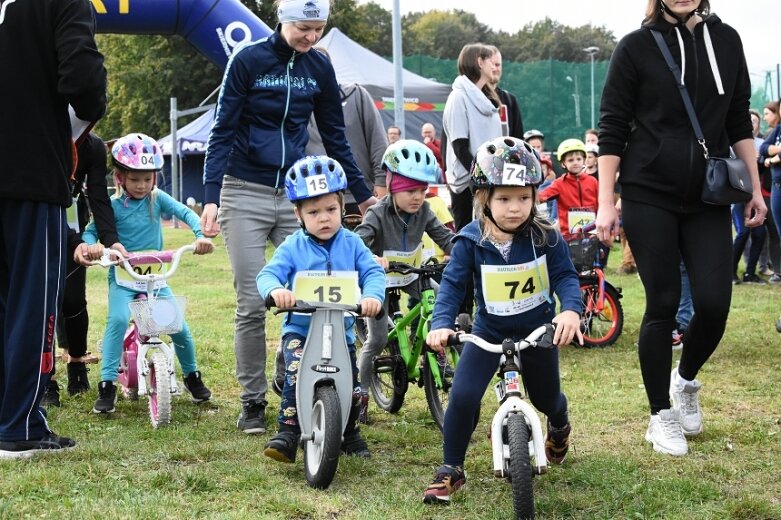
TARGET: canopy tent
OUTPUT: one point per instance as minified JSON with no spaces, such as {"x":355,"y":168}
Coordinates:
{"x":424,"y":103}
{"x":424,"y":99}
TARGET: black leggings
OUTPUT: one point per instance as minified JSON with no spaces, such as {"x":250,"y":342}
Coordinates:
{"x":74,"y":318}
{"x":660,"y":239}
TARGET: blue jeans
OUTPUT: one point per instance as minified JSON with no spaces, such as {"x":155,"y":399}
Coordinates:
{"x":757,"y":235}
{"x":685,"y":305}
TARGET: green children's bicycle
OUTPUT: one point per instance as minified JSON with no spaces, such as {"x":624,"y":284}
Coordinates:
{"x":406,"y":358}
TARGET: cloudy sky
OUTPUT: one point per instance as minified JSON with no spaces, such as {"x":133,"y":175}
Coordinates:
{"x":757,"y":21}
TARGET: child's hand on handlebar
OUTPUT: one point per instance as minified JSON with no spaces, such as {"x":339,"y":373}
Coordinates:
{"x":283,"y":298}
{"x":567,"y":328}
{"x":382,"y":261}
{"x":370,"y":307}
{"x":437,"y":339}
{"x":203,"y":246}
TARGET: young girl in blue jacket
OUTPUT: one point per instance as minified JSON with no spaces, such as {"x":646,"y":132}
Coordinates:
{"x":507,"y":232}
{"x":137,"y":208}
{"x":316,"y":184}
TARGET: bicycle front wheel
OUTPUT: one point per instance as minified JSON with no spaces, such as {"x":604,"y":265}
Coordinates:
{"x":600,"y":328}
{"x":438,"y":373}
{"x":321,"y":453}
{"x":159,"y":388}
{"x":520,"y":469}
{"x":389,"y":378}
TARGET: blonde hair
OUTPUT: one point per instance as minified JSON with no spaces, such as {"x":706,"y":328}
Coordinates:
{"x":121,"y":190}
{"x":540,"y":226}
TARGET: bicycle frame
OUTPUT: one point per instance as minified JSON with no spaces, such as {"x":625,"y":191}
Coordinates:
{"x":422,"y":311}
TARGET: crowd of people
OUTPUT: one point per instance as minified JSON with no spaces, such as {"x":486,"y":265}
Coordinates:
{"x":298,"y":136}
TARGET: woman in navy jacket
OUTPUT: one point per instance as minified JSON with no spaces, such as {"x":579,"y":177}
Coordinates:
{"x":645,"y":129}
{"x":270,"y":89}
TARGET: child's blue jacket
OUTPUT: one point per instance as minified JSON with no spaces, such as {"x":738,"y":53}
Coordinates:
{"x":345,"y":251}
{"x":470,"y":252}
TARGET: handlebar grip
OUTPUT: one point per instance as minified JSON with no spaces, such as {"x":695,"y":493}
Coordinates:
{"x":546,"y":340}
{"x":454,"y":340}
{"x":269,"y":302}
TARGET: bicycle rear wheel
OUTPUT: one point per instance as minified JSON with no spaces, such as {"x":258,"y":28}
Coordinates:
{"x":159,"y":388}
{"x":389,"y":378}
{"x":437,"y":386}
{"x":519,"y":467}
{"x":600,"y":328}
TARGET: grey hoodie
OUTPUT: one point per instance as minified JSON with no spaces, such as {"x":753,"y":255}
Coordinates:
{"x":468,"y":114}
{"x":384,"y":229}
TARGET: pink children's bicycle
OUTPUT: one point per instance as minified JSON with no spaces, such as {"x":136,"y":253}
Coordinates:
{"x":147,"y":362}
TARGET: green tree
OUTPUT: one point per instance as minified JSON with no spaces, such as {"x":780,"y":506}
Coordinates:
{"x":144,"y":72}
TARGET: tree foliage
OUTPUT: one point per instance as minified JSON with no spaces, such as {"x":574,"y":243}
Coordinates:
{"x":145,"y":71}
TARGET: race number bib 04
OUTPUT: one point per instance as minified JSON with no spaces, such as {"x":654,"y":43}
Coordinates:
{"x":125,"y":280}
{"x":318,"y":286}
{"x":513,"y":289}
{"x":413,"y":258}
{"x":579,"y":218}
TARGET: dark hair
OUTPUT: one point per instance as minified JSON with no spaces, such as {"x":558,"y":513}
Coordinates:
{"x":653,"y":11}
{"x":467,"y":66}
{"x":773,"y":106}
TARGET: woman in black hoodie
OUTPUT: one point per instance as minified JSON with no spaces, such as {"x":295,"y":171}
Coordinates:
{"x":645,"y":130}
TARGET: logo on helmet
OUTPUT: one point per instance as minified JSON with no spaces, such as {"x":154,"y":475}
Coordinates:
{"x":311,"y":10}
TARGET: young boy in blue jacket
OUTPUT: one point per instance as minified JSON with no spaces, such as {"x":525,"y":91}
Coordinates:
{"x":315,"y":184}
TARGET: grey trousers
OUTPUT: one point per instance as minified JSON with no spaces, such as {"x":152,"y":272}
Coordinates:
{"x":251,"y":215}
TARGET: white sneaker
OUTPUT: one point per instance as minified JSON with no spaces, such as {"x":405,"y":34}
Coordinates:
{"x":685,"y":400}
{"x":665,"y":433}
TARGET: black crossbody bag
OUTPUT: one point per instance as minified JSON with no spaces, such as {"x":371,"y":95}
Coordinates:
{"x":727,"y":180}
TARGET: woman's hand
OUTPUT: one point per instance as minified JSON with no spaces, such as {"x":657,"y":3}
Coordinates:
{"x":283,"y":298}
{"x":437,"y":339}
{"x":370,"y":307}
{"x":203,"y":246}
{"x":567,"y":328}
{"x":85,"y":254}
{"x":209,"y":224}
{"x":755,"y":211}
{"x":608,"y":222}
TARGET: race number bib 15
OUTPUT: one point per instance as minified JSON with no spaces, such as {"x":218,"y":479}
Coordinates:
{"x":579,"y":218}
{"x":413,"y":258}
{"x":318,"y":286}
{"x":125,"y":280}
{"x":513,"y":289}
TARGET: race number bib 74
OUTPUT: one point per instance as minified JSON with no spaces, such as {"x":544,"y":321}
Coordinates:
{"x":125,"y":280}
{"x":513,"y":289}
{"x":318,"y":286}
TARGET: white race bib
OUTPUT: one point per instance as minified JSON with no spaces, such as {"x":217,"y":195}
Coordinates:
{"x":413,"y":258}
{"x":125,"y":280}
{"x":513,"y":289}
{"x":319,"y":286}
{"x":579,"y":218}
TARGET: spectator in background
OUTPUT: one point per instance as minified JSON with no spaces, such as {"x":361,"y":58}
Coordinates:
{"x":365,"y":132}
{"x":536,"y":140}
{"x":470,"y":118}
{"x":429,"y":136}
{"x":770,"y":155}
{"x":591,"y":136}
{"x":394,"y":134}
{"x":55,"y":63}
{"x":772,"y":118}
{"x":592,"y":156}
{"x":509,"y":111}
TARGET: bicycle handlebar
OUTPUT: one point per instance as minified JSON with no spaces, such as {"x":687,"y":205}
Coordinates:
{"x":541,"y":337}
{"x":114,"y":257}
{"x":425,"y":269}
{"x":311,"y":307}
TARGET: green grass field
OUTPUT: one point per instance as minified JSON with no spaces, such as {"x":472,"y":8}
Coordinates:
{"x":202,"y":466}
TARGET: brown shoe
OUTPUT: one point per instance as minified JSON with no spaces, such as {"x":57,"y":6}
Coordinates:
{"x":557,"y":443}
